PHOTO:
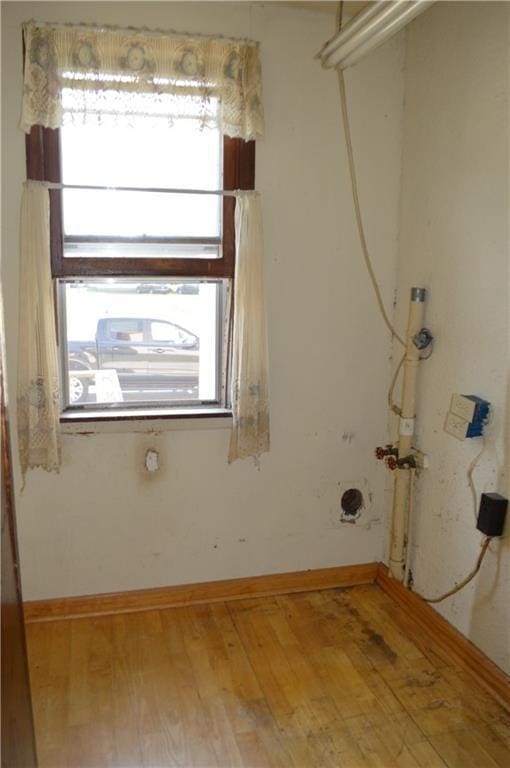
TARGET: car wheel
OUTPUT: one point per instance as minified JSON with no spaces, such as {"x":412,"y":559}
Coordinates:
{"x":77,"y":389}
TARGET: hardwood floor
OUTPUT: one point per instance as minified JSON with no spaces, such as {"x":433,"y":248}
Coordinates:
{"x":323,"y":679}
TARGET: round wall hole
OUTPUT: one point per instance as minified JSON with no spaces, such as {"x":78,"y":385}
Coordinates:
{"x":352,"y":501}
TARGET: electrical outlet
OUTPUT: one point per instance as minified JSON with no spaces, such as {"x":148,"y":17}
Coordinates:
{"x":463,"y":407}
{"x":456,"y":426}
{"x":467,"y":417}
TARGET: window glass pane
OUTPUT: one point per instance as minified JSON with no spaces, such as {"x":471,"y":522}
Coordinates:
{"x":147,"y":153}
{"x":132,"y":341}
{"x":136,"y":214}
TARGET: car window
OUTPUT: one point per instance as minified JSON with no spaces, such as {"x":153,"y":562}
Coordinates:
{"x":170,"y":333}
{"x":125,"y":330}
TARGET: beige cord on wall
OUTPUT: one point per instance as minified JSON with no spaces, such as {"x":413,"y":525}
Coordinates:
{"x":355,"y":196}
{"x":357,"y":210}
{"x":472,"y":468}
{"x":485,"y":542}
{"x":485,"y":545}
{"x":391,"y":405}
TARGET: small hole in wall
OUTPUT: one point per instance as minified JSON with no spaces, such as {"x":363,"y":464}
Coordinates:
{"x":352,"y":501}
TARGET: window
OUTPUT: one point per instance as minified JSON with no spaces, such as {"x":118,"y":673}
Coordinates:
{"x":128,"y":250}
{"x":143,"y":254}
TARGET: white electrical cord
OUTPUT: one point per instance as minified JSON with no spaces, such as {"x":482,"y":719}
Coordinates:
{"x":484,"y":547}
{"x":355,"y":195}
{"x":357,"y":210}
{"x":484,"y":544}
{"x":471,"y":482}
{"x":391,"y":405}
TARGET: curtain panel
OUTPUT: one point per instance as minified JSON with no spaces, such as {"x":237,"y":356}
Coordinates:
{"x":219,"y":78}
{"x":250,"y":367}
{"x":38,"y":406}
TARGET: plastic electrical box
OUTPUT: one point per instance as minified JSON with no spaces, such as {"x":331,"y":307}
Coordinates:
{"x":492,"y":513}
{"x":470,"y":408}
{"x":467,"y":416}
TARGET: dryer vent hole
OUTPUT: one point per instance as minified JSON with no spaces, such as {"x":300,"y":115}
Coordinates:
{"x":352,"y":501}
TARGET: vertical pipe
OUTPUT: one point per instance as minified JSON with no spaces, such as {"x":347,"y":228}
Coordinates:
{"x":406,"y":433}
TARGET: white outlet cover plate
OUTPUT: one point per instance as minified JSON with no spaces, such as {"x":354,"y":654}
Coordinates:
{"x":456,"y":426}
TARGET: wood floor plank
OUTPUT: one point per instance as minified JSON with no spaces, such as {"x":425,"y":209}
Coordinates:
{"x":49,"y":655}
{"x":479,"y":701}
{"x":459,"y":749}
{"x":328,"y":679}
{"x":426,"y":756}
{"x":191,"y":720}
{"x":495,"y":746}
{"x":252,"y":750}
{"x":282,"y":689}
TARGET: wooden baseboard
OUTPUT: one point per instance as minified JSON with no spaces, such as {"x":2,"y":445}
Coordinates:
{"x":427,"y":620}
{"x":195,"y":594}
{"x":458,"y":647}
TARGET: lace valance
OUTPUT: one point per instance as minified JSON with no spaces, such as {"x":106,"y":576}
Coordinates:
{"x":218,"y":78}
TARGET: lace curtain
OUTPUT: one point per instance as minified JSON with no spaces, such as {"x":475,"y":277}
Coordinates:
{"x":250,"y":387}
{"x":37,"y":394}
{"x":216,"y":79}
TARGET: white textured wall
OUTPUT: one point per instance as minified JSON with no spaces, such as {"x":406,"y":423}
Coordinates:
{"x":454,"y":241}
{"x":103,"y":524}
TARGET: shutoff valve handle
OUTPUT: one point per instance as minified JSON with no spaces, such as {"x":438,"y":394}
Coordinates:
{"x":388,"y":450}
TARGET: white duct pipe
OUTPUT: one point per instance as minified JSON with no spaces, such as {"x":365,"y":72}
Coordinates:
{"x":361,"y":29}
{"x":356,"y":24}
{"x":406,"y":433}
{"x":393,"y":26}
{"x":368,"y":30}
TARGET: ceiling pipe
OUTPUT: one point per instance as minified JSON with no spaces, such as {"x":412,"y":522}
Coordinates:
{"x":369,"y":29}
{"x":355,"y":24}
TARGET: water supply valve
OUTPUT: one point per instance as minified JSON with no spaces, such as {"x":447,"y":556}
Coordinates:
{"x":388,"y":450}
{"x":407,"y":462}
{"x":389,"y":453}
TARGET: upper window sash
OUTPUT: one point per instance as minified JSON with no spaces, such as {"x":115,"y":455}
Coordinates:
{"x":44,"y":164}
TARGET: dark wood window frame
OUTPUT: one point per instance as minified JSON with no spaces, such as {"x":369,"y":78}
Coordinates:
{"x":44,"y":164}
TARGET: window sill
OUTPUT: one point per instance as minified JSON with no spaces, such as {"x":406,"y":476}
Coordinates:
{"x":147,"y":419}
{"x":143,"y":413}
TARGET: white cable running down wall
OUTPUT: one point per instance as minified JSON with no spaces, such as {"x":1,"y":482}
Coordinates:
{"x":369,"y":29}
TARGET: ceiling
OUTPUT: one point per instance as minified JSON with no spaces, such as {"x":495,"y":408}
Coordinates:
{"x":350,"y":8}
